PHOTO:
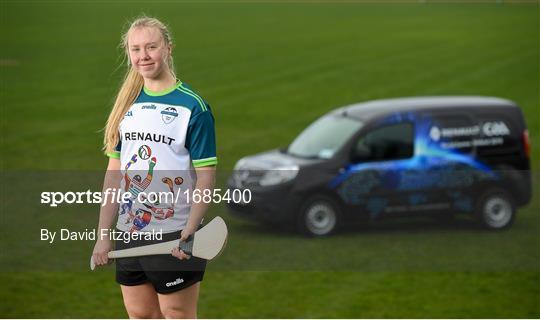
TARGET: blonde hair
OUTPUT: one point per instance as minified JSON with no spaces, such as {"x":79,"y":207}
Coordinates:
{"x":133,"y":81}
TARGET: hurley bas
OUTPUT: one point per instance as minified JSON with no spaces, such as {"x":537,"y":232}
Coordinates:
{"x":114,"y":235}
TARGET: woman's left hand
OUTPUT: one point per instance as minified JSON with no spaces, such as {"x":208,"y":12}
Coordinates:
{"x":183,"y":237}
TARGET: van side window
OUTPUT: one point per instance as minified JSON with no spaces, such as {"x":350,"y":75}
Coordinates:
{"x":385,"y":143}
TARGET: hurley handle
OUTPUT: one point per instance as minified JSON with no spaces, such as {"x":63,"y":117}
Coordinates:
{"x":187,"y":246}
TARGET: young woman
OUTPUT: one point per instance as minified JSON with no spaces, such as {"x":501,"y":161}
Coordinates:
{"x":159,"y":137}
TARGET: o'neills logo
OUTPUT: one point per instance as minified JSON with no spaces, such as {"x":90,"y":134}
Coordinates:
{"x":145,"y":136}
{"x":175,"y":282}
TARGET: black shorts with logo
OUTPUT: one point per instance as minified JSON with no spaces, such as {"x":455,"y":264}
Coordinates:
{"x":165,"y":272}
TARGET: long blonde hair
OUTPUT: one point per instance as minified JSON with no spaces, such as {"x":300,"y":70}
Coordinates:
{"x":133,"y":81}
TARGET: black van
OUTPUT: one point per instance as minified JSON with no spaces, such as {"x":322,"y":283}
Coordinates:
{"x":394,"y":157}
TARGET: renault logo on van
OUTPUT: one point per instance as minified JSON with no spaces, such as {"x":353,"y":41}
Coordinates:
{"x":435,"y":133}
{"x":495,"y":128}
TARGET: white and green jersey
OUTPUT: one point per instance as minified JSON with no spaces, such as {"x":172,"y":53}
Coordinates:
{"x":163,"y":136}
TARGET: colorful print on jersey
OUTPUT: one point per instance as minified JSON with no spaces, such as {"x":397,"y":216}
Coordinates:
{"x":162,"y":213}
{"x":142,"y":219}
{"x":135,"y":186}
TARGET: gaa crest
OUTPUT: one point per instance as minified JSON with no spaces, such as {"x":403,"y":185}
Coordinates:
{"x":169,"y":114}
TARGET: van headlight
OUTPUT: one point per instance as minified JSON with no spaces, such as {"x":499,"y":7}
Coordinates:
{"x":278,"y":176}
{"x":240,"y":164}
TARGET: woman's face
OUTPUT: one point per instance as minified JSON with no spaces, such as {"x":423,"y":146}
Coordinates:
{"x":148,"y":52}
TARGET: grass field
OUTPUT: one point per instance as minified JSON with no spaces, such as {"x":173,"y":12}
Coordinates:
{"x":268,"y":69}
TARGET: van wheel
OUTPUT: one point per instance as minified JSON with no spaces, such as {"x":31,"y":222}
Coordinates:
{"x":495,"y":209}
{"x":319,"y":217}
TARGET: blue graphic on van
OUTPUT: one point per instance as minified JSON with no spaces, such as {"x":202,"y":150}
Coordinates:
{"x":461,"y":201}
{"x":430,"y":168}
{"x":376,"y":205}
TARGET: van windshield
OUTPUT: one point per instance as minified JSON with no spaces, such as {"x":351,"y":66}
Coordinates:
{"x":324,"y":137}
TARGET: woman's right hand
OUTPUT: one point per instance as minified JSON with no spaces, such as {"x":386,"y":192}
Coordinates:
{"x":101,"y":249}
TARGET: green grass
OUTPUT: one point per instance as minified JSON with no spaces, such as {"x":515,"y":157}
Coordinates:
{"x":268,"y":70}
{"x":297,"y":294}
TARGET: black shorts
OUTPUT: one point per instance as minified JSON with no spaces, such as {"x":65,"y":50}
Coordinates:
{"x":165,"y":272}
